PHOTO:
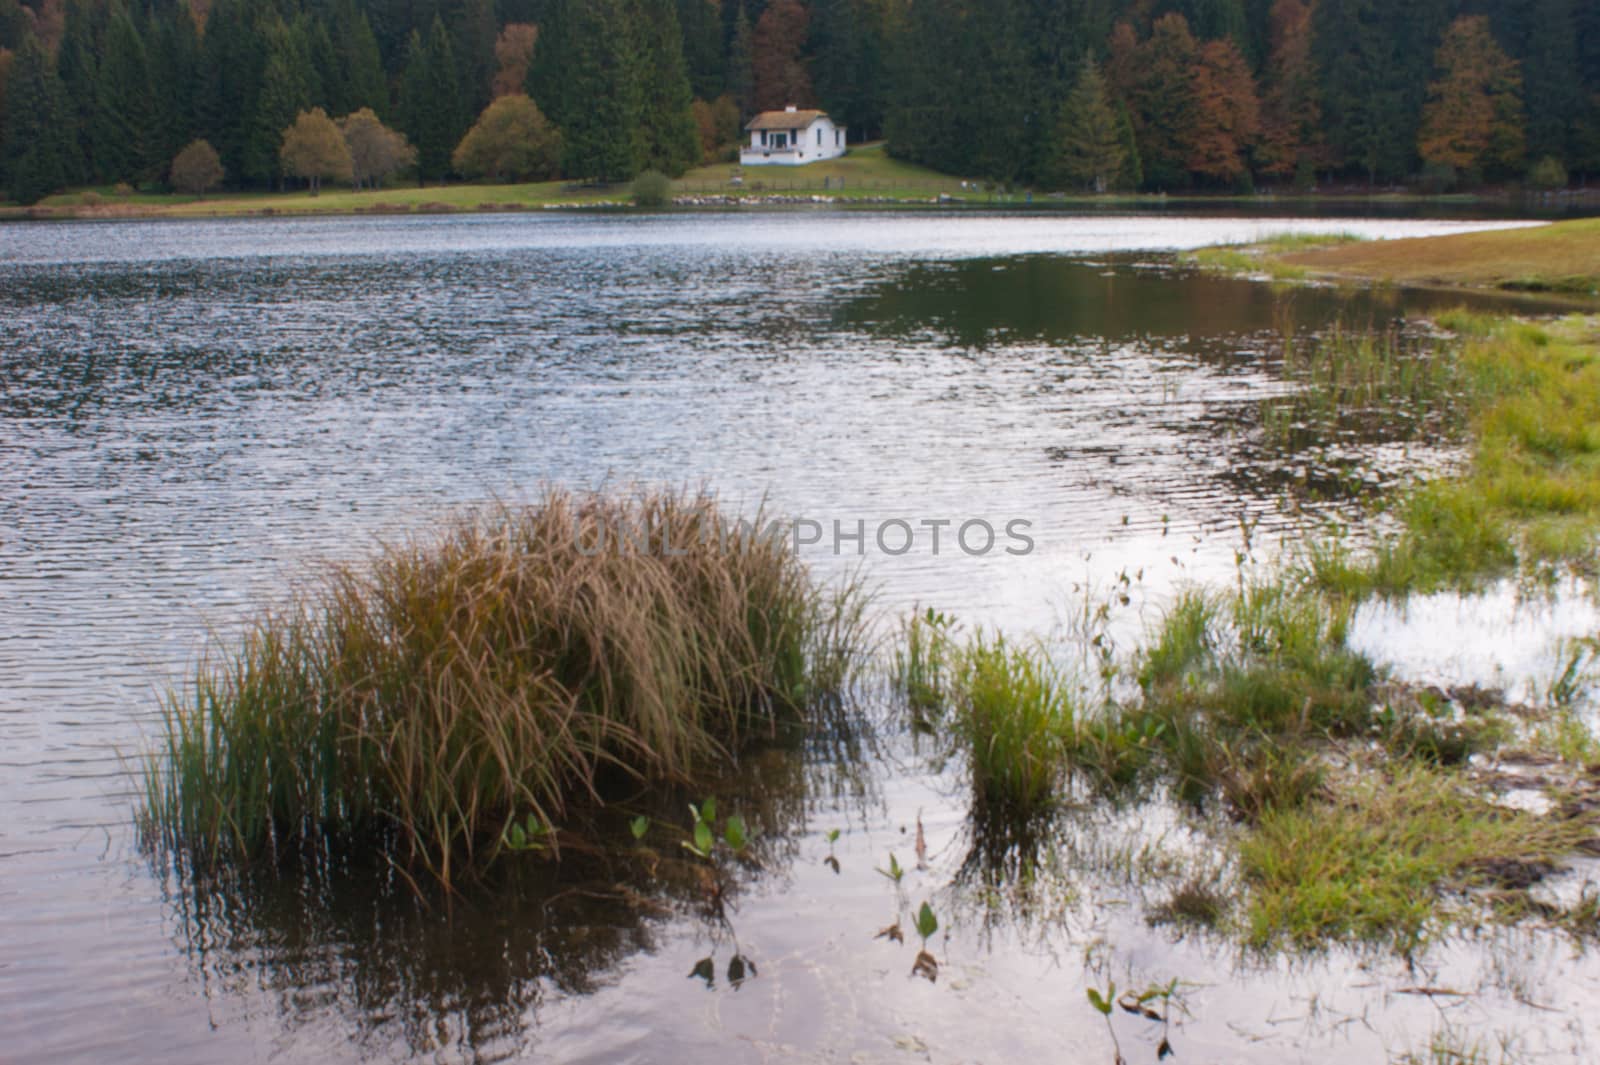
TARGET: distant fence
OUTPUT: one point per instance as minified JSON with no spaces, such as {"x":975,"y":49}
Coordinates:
{"x":801,"y":184}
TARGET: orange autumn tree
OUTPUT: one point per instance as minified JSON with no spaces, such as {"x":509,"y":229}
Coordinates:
{"x":1291,"y":113}
{"x":1227,"y":113}
{"x":1473,"y":119}
{"x":781,"y":77}
{"x":513,"y":51}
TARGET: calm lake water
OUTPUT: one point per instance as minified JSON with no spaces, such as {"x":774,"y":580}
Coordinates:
{"x":192,"y":413}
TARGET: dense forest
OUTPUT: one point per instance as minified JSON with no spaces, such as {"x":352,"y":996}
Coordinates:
{"x":1057,"y":94}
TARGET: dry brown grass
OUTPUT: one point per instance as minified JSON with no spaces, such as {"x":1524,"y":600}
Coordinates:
{"x":505,"y":669}
{"x":1564,"y":257}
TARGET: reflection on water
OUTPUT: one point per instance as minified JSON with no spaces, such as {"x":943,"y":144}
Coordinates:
{"x":188,"y":414}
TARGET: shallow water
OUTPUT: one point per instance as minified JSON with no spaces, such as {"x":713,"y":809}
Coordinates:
{"x":189,"y":413}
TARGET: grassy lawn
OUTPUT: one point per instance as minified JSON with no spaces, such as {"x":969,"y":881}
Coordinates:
{"x":1563,"y":257}
{"x":865,"y":173}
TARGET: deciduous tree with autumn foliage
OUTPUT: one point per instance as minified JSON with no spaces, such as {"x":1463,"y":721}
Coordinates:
{"x":776,"y":57}
{"x":1473,"y":118}
{"x":1227,"y":114}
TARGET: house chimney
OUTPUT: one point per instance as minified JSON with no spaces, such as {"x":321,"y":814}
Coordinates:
{"x":791,"y":109}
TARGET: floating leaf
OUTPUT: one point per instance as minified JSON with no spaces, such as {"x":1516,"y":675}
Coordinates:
{"x":926,"y":965}
{"x":639,"y":826}
{"x":833,"y":836}
{"x":927,"y":923}
{"x":703,"y":839}
{"x":708,"y":810}
{"x":740,"y":969}
{"x":892,"y":933}
{"x":832,"y":863}
{"x":734,"y":833}
{"x":705,"y":969}
{"x":1137,"y":1008}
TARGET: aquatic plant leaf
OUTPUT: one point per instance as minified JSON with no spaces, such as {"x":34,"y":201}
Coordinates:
{"x":705,"y":969}
{"x":703,"y":840}
{"x":833,"y":836}
{"x":1099,"y":1002}
{"x":922,"y":845}
{"x":926,"y":965}
{"x":892,"y":933}
{"x":639,"y":826}
{"x":740,"y":969}
{"x":927,"y":923}
{"x":1164,"y":1051}
{"x":1138,"y":1008}
{"x":832,"y":863}
{"x":734,"y":833}
{"x":708,"y":810}
{"x":519,"y":838}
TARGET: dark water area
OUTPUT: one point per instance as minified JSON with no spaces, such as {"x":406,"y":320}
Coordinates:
{"x":191,"y":414}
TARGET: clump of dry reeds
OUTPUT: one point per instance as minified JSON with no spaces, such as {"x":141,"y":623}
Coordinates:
{"x":513,"y":665}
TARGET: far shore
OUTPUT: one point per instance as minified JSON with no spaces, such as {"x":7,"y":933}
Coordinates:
{"x":866,"y":177}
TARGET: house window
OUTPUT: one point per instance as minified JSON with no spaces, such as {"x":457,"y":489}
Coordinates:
{"x":819,"y":138}
{"x":838,"y":137}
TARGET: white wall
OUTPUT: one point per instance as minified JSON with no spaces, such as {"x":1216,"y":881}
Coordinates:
{"x":806,"y":151}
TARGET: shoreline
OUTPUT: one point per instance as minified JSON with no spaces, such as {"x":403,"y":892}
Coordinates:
{"x":89,"y":205}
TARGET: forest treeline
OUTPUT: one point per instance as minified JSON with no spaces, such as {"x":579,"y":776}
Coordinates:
{"x":1058,"y":94}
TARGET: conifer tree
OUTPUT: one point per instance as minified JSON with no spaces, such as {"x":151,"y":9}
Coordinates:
{"x":37,"y":152}
{"x":121,"y":129}
{"x":584,"y":75}
{"x":670,"y":136}
{"x":363,"y":82}
{"x":702,"y":47}
{"x":286,"y":91}
{"x":1088,"y":141}
{"x":741,"y":63}
{"x":1161,"y":101}
{"x":430,"y":102}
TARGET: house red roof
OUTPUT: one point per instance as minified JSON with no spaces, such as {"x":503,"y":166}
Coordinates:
{"x":785,"y":119}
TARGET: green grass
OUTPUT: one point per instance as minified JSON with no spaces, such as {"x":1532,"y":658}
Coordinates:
{"x":1373,"y":864}
{"x":1263,"y":257}
{"x":516,"y":664}
{"x":1014,"y":718}
{"x":1531,"y":399}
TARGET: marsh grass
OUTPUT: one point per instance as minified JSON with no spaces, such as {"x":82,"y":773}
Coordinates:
{"x":1262,"y":257}
{"x":1365,"y":387}
{"x":1014,"y":717}
{"x":1530,"y":495}
{"x":521,"y":662}
{"x":1370,"y":865}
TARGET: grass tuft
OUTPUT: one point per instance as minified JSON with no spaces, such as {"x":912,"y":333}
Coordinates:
{"x":516,"y":664}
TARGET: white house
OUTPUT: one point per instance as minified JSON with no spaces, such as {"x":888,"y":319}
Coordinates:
{"x":792,"y":137}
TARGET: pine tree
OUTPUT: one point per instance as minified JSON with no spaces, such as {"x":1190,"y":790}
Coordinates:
{"x":286,"y":91}
{"x":363,"y":83}
{"x":430,"y":102}
{"x":702,"y":47}
{"x":37,"y":152}
{"x":741,"y":63}
{"x":122,"y":132}
{"x":174,"y":52}
{"x":473,"y":32}
{"x":1552,"y":86}
{"x":1161,"y":102}
{"x":671,"y":139}
{"x":1088,"y":151}
{"x":585,"y":77}
{"x":233,"y":61}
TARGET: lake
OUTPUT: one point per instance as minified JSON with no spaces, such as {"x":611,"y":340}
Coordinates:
{"x":193,"y":413}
